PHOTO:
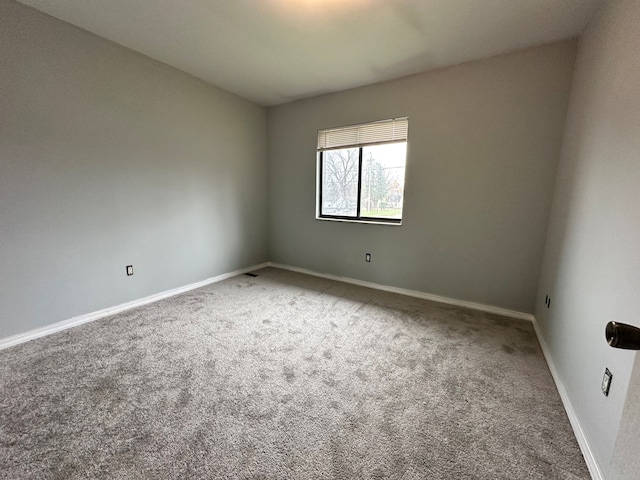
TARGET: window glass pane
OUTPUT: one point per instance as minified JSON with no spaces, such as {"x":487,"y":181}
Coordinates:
{"x":383,"y":168}
{"x":340,"y":182}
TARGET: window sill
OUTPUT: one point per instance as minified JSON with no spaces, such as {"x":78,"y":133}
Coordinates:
{"x":351,"y":220}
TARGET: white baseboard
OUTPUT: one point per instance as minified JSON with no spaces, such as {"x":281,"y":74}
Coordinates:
{"x":585,"y":447}
{"x":90,"y":317}
{"x":587,"y":452}
{"x":412,"y":293}
{"x":583,"y":442}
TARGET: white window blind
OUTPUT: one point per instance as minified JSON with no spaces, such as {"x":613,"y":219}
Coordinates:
{"x":384,"y":131}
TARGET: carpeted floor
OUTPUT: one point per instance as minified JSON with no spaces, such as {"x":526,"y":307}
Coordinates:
{"x":285,"y":376}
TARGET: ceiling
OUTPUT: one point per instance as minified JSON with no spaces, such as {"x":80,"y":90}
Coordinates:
{"x":276,"y":51}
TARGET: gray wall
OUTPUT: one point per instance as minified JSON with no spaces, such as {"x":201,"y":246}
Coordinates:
{"x":591,"y":264}
{"x":108,"y":158}
{"x":484,"y":140}
{"x":625,"y":463}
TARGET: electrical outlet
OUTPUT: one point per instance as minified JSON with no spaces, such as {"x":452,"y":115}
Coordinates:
{"x":606,"y":382}
{"x":547,"y":300}
{"x":129,"y":270}
{"x":367,"y":257}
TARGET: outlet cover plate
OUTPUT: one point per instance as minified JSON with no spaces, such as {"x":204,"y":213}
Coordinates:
{"x":606,"y":382}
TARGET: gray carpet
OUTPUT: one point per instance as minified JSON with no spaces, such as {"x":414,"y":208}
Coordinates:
{"x":285,"y":376}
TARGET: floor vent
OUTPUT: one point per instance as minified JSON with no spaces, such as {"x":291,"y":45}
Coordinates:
{"x":251,"y":274}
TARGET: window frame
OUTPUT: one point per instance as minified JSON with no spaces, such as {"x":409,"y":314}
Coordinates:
{"x":358,"y":218}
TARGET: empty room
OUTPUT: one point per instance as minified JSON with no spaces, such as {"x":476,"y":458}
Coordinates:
{"x":320,"y":239}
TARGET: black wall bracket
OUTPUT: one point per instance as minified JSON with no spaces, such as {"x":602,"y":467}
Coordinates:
{"x":621,"y":335}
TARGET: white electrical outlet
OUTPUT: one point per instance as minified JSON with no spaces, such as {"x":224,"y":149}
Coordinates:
{"x":606,"y":382}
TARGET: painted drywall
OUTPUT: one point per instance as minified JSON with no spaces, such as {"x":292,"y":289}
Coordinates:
{"x":484,"y":141}
{"x":591,"y":265}
{"x":625,"y":462}
{"x":108,"y":158}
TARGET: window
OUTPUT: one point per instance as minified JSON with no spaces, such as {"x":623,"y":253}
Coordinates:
{"x":361,"y":171}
